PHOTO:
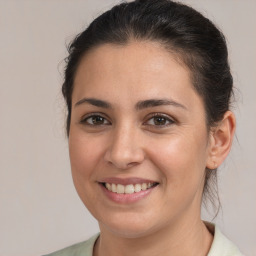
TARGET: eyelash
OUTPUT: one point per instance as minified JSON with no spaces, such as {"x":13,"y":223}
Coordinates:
{"x":87,"y":117}
{"x":154,"y":115}
{"x":160,"y":115}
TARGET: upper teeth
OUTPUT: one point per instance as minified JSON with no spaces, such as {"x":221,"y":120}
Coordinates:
{"x":128,"y":189}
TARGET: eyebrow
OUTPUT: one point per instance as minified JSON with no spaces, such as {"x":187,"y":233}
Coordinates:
{"x":157,"y":102}
{"x":139,"y":105}
{"x":94,"y":102}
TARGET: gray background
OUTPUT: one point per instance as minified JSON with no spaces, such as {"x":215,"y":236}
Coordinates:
{"x":39,"y":209}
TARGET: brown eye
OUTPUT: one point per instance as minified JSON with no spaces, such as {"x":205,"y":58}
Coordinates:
{"x":95,"y":120}
{"x":159,"y":120}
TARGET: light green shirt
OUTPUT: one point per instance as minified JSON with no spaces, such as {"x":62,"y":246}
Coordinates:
{"x":221,"y":246}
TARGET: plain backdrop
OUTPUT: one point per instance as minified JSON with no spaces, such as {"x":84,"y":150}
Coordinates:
{"x":39,"y":209}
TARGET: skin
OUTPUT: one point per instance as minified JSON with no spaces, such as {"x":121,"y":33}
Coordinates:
{"x":128,"y":142}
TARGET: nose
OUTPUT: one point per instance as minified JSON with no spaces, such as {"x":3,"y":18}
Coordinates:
{"x":125,"y":148}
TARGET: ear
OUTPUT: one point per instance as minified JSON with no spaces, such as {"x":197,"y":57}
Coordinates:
{"x":220,"y":141}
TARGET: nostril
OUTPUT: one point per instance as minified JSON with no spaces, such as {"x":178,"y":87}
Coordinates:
{"x":124,"y":150}
{"x":132,"y":164}
{"x":123,"y":161}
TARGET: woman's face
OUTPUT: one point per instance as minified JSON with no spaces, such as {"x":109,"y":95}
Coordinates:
{"x":137,"y":124}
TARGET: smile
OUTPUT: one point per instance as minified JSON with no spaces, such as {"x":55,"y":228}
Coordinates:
{"x":128,"y":189}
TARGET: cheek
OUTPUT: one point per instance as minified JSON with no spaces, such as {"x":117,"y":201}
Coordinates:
{"x":181,"y":160}
{"x":84,"y":153}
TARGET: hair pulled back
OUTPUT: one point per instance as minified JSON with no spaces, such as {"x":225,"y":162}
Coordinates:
{"x":190,"y":36}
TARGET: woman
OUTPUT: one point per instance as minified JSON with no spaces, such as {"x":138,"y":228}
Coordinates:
{"x":148,"y":87}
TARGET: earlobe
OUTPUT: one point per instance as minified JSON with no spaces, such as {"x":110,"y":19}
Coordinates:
{"x":221,"y":138}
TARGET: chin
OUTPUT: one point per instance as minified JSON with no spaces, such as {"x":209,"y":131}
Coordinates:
{"x":129,"y":232}
{"x":129,"y":227}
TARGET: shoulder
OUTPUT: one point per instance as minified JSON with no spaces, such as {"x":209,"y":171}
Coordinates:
{"x":221,"y":245}
{"x":80,"y":249}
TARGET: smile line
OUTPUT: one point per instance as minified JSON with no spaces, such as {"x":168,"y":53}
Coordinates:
{"x":130,"y":188}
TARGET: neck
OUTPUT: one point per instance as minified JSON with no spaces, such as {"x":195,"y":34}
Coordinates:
{"x":190,"y":238}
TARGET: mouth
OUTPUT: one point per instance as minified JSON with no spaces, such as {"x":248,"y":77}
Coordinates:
{"x":129,"y":188}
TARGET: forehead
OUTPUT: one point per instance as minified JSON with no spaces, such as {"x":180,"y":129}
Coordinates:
{"x":135,"y":71}
{"x":136,"y":58}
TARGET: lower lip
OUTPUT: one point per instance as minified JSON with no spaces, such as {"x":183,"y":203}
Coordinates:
{"x":126,"y":198}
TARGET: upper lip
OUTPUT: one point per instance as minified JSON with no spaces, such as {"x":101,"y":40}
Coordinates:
{"x":126,"y":181}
